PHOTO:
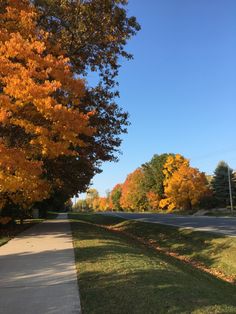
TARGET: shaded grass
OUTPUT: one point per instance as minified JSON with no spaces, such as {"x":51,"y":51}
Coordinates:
{"x":52,"y":215}
{"x":97,"y":218}
{"x":118,"y":275}
{"x":10,"y":231}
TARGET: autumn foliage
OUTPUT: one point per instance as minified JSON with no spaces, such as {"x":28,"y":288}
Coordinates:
{"x":55,"y":128}
{"x":186,"y":187}
{"x":172,"y":164}
{"x":115,"y":196}
{"x":153,"y":200}
{"x":168,"y":182}
{"x":39,"y":106}
{"x":133,"y":195}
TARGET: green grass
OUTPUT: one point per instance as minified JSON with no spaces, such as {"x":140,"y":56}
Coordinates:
{"x":10,"y":231}
{"x":216,"y":252}
{"x":119,"y":275}
{"x":97,"y":219}
{"x":52,"y":215}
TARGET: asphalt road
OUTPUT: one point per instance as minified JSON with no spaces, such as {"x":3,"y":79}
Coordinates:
{"x":220,"y":225}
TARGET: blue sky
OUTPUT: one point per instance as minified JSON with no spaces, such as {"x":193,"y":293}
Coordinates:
{"x":180,"y":89}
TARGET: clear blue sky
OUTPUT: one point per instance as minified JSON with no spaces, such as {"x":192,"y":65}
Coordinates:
{"x":180,"y":89}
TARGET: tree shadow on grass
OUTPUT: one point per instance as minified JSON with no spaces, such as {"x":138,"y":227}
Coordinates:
{"x":207,"y":248}
{"x":153,"y":291}
{"x":117,"y":275}
{"x":96,"y":218}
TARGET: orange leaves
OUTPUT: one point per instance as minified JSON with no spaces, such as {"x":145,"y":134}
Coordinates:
{"x":39,"y":99}
{"x":101,"y":203}
{"x":133,"y":194}
{"x":3,"y":115}
{"x":19,"y":13}
{"x":153,"y":199}
{"x":30,"y":75}
{"x":20,"y":178}
{"x":167,"y":204}
{"x":172,"y":164}
{"x":186,"y":187}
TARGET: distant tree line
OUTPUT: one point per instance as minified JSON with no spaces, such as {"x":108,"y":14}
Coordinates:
{"x":167,"y":182}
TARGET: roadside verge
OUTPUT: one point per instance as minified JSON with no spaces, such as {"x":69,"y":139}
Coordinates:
{"x":118,"y":273}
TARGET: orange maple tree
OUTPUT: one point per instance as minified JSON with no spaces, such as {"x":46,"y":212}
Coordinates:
{"x":153,"y":200}
{"x":133,"y":194}
{"x":39,"y":106}
{"x":101,"y":204}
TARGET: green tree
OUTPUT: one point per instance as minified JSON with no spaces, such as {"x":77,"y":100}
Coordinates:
{"x":115,"y":197}
{"x":91,"y":196}
{"x":154,"y":176}
{"x":220,"y":184}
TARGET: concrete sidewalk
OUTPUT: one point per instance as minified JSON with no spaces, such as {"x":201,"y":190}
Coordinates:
{"x":37,"y":271}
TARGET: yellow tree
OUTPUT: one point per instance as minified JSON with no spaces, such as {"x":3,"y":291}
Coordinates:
{"x":39,"y":106}
{"x":172,"y":164}
{"x":92,"y":196}
{"x":186,"y":188}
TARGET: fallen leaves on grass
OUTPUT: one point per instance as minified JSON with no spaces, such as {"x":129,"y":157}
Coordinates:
{"x":154,"y":245}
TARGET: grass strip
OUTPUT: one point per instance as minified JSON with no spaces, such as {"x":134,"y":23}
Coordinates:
{"x":210,"y":252}
{"x":119,"y":275}
{"x":8,"y":232}
{"x":52,"y":215}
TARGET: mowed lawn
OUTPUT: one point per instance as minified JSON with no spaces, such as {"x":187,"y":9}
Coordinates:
{"x":213,"y":251}
{"x":119,"y":275}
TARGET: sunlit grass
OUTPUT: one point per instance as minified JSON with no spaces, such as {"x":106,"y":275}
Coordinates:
{"x":119,"y":275}
{"x":216,"y":252}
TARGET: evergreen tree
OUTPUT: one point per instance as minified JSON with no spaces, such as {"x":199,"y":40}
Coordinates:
{"x":220,"y":184}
